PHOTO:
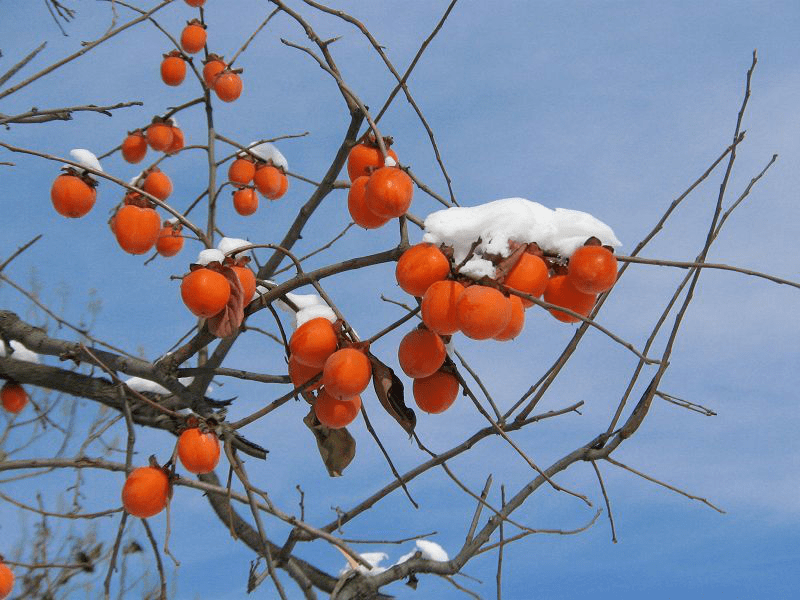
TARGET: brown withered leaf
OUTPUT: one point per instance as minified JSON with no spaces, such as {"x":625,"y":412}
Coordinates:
{"x":503,"y":268}
{"x":336,"y":446}
{"x":389,"y":390}
{"x":229,"y":319}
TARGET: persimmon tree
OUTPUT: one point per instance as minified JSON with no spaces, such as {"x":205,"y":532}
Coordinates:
{"x":87,"y":412}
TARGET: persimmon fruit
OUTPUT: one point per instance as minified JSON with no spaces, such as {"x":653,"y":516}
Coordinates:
{"x":529,"y":275}
{"x":245,"y":201}
{"x":71,"y":196}
{"x":361,"y":215}
{"x":300,"y":374}
{"x":346,"y":373}
{"x":592,"y":269}
{"x":248,"y":280}
{"x":482,"y":312}
{"x":6,"y":581}
{"x":241,"y":171}
{"x":439,"y":306}
{"x":205,"y":292}
{"x":516,"y":323}
{"x":270,"y":182}
{"x":364,"y":158}
{"x":159,"y":136}
{"x":435,"y":393}
{"x":134,"y":147}
{"x":170,"y":240}
{"x":173,"y":69}
{"x":562,"y":293}
{"x":313,"y":342}
{"x":158,"y":184}
{"x":13,"y":396}
{"x":421,"y":353}
{"x":228,"y":86}
{"x":136,"y":229}
{"x":213,"y":67}
{"x":335,"y":413}
{"x":193,"y":37}
{"x":145,"y":492}
{"x":419,"y":267}
{"x":178,"y":141}
{"x":388,"y":193}
{"x":198,"y":451}
{"x":195,"y":3}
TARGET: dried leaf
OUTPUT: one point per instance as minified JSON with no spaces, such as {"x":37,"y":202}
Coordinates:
{"x":336,"y":446}
{"x":504,"y":266}
{"x":230,"y":318}
{"x":389,"y":390}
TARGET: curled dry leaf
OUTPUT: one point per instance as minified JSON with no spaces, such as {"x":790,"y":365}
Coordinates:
{"x":227,"y":322}
{"x":336,"y":446}
{"x":389,"y":390}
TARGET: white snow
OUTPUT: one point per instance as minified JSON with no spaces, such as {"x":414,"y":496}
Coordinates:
{"x":373,"y":558}
{"x":559,"y":231}
{"x":209,"y":256}
{"x":428,"y":550}
{"x":172,"y":220}
{"x":85,"y":158}
{"x":389,"y":162}
{"x":268,"y":152}
{"x":134,"y":181}
{"x":228,"y":245}
{"x":20,"y":352}
{"x":138,"y":384}
{"x":310,"y":307}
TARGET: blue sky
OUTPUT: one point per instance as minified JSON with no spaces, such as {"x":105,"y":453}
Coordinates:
{"x":609,"y":107}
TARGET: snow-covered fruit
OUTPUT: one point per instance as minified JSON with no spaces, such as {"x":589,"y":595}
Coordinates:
{"x":205,"y":291}
{"x":73,"y":195}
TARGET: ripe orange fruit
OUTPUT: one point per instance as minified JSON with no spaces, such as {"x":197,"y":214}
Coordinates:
{"x":515,"y":323}
{"x":136,"y":229}
{"x":195,"y":2}
{"x":177,"y":141}
{"x":270,"y":182}
{"x":346,"y":373}
{"x":159,"y":136}
{"x":228,"y":86}
{"x":71,"y":196}
{"x":419,"y":267}
{"x":364,"y":158}
{"x":213,"y":67}
{"x":241,"y":171}
{"x":335,"y":413}
{"x":205,"y":292}
{"x":313,"y":342}
{"x":248,"y":281}
{"x":193,"y":37}
{"x":529,"y":275}
{"x":359,"y":212}
{"x":170,"y":240}
{"x":421,"y":352}
{"x":592,"y":269}
{"x":158,"y":184}
{"x":6,"y":581}
{"x":145,"y":492}
{"x":561,"y":293}
{"x":482,"y":312}
{"x":13,"y":396}
{"x":134,"y":147}
{"x":439,"y":306}
{"x":245,"y":201}
{"x":173,"y":69}
{"x":300,"y":373}
{"x":388,"y":193}
{"x":436,"y":393}
{"x":198,"y":451}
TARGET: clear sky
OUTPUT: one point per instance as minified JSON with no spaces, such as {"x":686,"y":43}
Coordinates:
{"x":614,"y":108}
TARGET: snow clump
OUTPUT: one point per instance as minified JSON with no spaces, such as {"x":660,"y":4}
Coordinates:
{"x":268,"y":152}
{"x":560,"y":231}
{"x":20,"y":352}
{"x":85,"y":158}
